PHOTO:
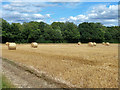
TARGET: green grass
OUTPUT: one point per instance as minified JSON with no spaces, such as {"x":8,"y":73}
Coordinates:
{"x":6,"y":83}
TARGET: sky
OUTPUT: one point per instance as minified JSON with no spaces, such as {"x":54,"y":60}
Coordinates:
{"x":77,"y":12}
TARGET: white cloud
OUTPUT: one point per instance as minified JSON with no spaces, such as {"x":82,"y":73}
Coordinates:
{"x":39,"y":20}
{"x":44,"y":4}
{"x":38,"y":15}
{"x":47,"y":15}
{"x":27,"y":11}
{"x":92,"y":15}
{"x":76,"y":19}
{"x":23,"y":17}
{"x":70,"y":4}
{"x":72,"y":18}
{"x":107,"y":15}
{"x":111,"y":20}
{"x":113,"y":7}
{"x":23,"y":12}
{"x":20,"y":4}
{"x":21,"y":7}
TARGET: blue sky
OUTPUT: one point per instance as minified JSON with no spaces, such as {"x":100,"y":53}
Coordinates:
{"x":77,"y":12}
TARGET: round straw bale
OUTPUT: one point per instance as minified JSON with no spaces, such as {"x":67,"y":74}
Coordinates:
{"x":94,"y":44}
{"x":90,"y":44}
{"x":7,"y":43}
{"x":12,"y":46}
{"x":103,"y":43}
{"x":107,"y":44}
{"x":34,"y":45}
{"x":79,"y":43}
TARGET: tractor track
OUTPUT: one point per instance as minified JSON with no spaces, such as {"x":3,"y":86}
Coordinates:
{"x":24,"y":77}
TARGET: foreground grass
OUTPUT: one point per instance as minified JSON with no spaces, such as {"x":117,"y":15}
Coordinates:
{"x":6,"y":83}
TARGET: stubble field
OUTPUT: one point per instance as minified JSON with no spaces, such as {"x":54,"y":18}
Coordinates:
{"x":80,"y":66}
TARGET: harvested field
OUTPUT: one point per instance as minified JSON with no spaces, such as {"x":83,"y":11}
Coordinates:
{"x":79,"y":66}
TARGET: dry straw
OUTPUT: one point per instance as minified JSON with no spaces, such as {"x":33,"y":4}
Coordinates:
{"x":90,"y":44}
{"x":34,"y":44}
{"x":79,"y":43}
{"x":12,"y":46}
{"x":94,"y":44}
{"x":103,"y":43}
{"x":7,"y":43}
{"x":107,"y":44}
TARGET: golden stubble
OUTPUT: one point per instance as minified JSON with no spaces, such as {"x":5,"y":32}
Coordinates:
{"x":79,"y":65}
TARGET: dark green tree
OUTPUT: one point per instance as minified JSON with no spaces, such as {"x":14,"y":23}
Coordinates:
{"x":91,"y":32}
{"x":57,"y":32}
{"x":71,"y":33}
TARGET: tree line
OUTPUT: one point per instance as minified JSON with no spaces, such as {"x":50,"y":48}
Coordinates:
{"x":58,"y":32}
